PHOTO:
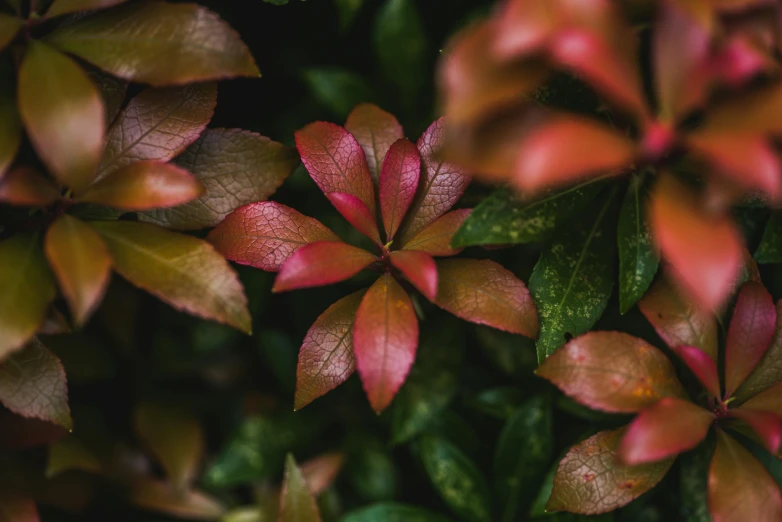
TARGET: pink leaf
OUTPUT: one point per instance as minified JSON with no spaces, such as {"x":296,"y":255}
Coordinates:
{"x":320,"y":264}
{"x":435,"y":238}
{"x":356,"y":213}
{"x":702,"y":366}
{"x":375,"y":130}
{"x":398,"y":183}
{"x":524,"y":27}
{"x":766,"y":424}
{"x":418,"y":268}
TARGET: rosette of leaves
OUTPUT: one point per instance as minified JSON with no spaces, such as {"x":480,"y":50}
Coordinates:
{"x":707,"y":118}
{"x":618,"y":373}
{"x":376,"y":330}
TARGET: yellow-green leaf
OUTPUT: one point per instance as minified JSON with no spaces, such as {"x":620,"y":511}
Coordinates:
{"x":68,"y":454}
{"x":61,"y":7}
{"x":296,"y":501}
{"x":9,"y":26}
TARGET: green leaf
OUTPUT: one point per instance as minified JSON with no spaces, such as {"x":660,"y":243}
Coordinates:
{"x":185,"y":272}
{"x":371,"y":471}
{"x":573,"y":279}
{"x":339,"y":90}
{"x":158,"y":43}
{"x":504,"y":219}
{"x":523,"y":453}
{"x":511,"y":354}
{"x":392,"y":512}
{"x":348,"y":10}
{"x":693,"y":485}
{"x":770,"y":248}
{"x":499,"y":403}
{"x":28,"y":288}
{"x":69,"y":454}
{"x":10,"y":124}
{"x":9,"y":26}
{"x":457,"y":479}
{"x":638,"y":259}
{"x":296,"y":501}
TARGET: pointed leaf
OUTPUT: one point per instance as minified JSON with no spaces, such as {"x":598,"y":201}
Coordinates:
{"x":375,"y":130}
{"x":158,"y":43}
{"x":163,"y":497}
{"x":767,"y":425}
{"x":321,"y":472}
{"x":28,"y":288}
{"x":399,"y":177}
{"x":69,"y":454}
{"x":63,"y":114}
{"x":702,"y":365}
{"x":770,"y":248}
{"x":524,"y":27}
{"x":10,"y":124}
{"x":612,"y":371}
{"x":441,"y":184}
{"x":769,"y":399}
{"x":265,"y":234}
{"x":753,"y":113}
{"x":24,"y":186}
{"x":336,"y":161}
{"x":18,"y":508}
{"x":705,"y":251}
{"x":436,"y":237}
{"x":81,"y":261}
{"x":61,"y":7}
{"x":296,"y":501}
{"x":158,"y":124}
{"x":393,"y":512}
{"x":591,"y":479}
{"x":9,"y":26}
{"x":183,"y":271}
{"x":326,"y":355}
{"x":418,"y":268}
{"x":385,"y":339}
{"x":483,"y":292}
{"x":237,"y":167}
{"x":739,"y":487}
{"x":356,"y":213}
{"x":112,"y":91}
{"x":769,"y":370}
{"x":321,"y":263}
{"x":33,"y":385}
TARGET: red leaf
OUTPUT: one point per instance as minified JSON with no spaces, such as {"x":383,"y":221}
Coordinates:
{"x":525,"y":26}
{"x":356,"y":213}
{"x":17,"y":508}
{"x":751,"y":329}
{"x":566,"y":149}
{"x":769,"y":399}
{"x":144,"y":185}
{"x":385,"y":339}
{"x":321,"y":263}
{"x":766,"y":424}
{"x":702,"y":366}
{"x":664,"y":430}
{"x":705,"y":251}
{"x":441,"y":185}
{"x":418,"y":268}
{"x":768,"y":372}
{"x":435,"y":238}
{"x":24,"y":186}
{"x":265,"y":234}
{"x":612,"y":371}
{"x":326,"y":355}
{"x":375,"y":130}
{"x":335,"y":161}
{"x":398,"y":183}
{"x":740,"y":488}
{"x":483,"y":292}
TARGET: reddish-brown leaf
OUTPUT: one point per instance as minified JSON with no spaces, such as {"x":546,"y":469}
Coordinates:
{"x":418,"y":268}
{"x":769,"y":370}
{"x":321,"y":263}
{"x":565,"y":149}
{"x":319,"y":473}
{"x":297,"y":503}
{"x":61,"y":7}
{"x":356,"y":213}
{"x":753,"y":113}
{"x":704,"y":250}
{"x":265,"y":234}
{"x":435,"y":238}
{"x":740,"y":488}
{"x":25,"y":186}
{"x":15,"y":507}
{"x":702,"y":365}
{"x":612,"y":371}
{"x":399,"y":177}
{"x":375,"y":130}
{"x":80,"y":259}
{"x":591,"y":479}
{"x":524,"y":27}
{"x":441,"y":184}
{"x":483,"y":292}
{"x":163,"y":497}
{"x":20,"y":433}
{"x":335,"y":161}
{"x":664,"y":430}
{"x":326,"y":355}
{"x":751,"y":330}
{"x":385,"y":339}
{"x":767,"y":425}
{"x":769,"y":399}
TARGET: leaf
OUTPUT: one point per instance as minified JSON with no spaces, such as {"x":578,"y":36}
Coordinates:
{"x":24,"y":186}
{"x":770,"y":247}
{"x":265,"y":234}
{"x":80,"y":259}
{"x":372,"y":471}
{"x":751,"y":330}
{"x":296,"y":501}
{"x":483,"y":292}
{"x":573,"y":280}
{"x":9,"y":27}
{"x":339,"y":90}
{"x":385,"y":339}
{"x":237,"y":167}
{"x":33,"y":385}
{"x":375,"y":130}
{"x":326,"y":355}
{"x":612,"y":371}
{"x":158,"y":124}
{"x":769,"y":369}
{"x":767,"y":400}
{"x":702,"y":366}
{"x":356,"y":213}
{"x":112,"y":91}
{"x":158,"y":43}
{"x":522,"y":456}
{"x":694,"y":471}
{"x":183,"y":271}
{"x":15,"y":507}
{"x":739,"y":487}
{"x":63,"y":114}
{"x":321,"y":263}
{"x":766,"y":425}
{"x":435,"y":238}
{"x":61,"y":7}
{"x":321,"y":472}
{"x":398,"y":183}
{"x":28,"y":288}
{"x":638,"y":259}
{"x":591,"y":480}
{"x":69,"y":454}
{"x":456,"y":479}
{"x":174,"y":437}
{"x":752,"y":113}
{"x":10,"y":125}
{"x":418,"y":268}
{"x":392,"y":512}
{"x":677,"y":320}
{"x":504,"y":219}
{"x":441,"y":184}
{"x":161,"y":496}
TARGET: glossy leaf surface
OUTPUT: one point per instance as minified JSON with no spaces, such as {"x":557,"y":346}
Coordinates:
{"x":321,"y":263}
{"x":419,"y":268}
{"x":399,"y":176}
